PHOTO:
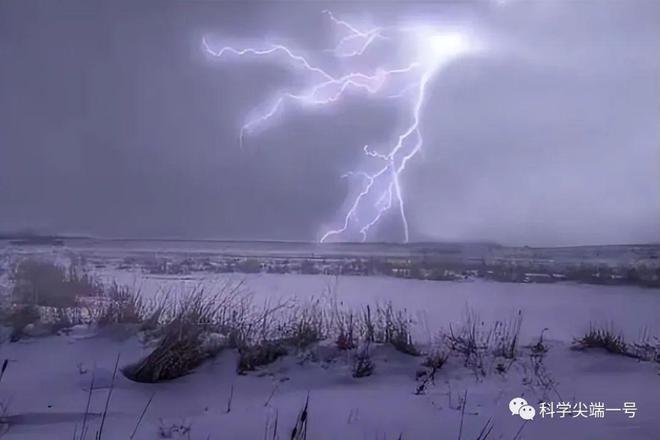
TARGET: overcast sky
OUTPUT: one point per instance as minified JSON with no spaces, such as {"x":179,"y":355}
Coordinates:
{"x":115,"y":122}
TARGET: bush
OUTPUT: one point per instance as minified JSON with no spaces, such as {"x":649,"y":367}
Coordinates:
{"x":605,"y":338}
{"x":42,"y":283}
{"x":182,"y":344}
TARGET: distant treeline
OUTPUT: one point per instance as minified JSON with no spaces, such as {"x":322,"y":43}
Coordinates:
{"x":642,"y":273}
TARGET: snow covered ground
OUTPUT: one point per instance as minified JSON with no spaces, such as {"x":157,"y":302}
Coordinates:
{"x":45,"y":388}
{"x":566,"y":310}
{"x":46,"y":396}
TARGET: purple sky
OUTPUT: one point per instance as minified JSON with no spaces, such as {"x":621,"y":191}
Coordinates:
{"x":114,"y":122}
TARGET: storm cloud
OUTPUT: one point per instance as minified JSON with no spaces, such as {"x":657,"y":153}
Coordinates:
{"x":114,"y":122}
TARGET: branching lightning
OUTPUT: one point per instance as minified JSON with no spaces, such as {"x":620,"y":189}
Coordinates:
{"x":380,"y":188}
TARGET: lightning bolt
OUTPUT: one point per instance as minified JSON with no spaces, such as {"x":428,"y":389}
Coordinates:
{"x":366,"y":38}
{"x":381,"y":189}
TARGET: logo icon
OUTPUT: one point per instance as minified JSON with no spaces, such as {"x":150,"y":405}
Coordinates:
{"x":519,"y":407}
{"x":515,"y":405}
{"x":527,"y":412}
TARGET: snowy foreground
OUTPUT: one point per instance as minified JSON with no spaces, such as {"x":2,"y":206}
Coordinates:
{"x":45,"y":388}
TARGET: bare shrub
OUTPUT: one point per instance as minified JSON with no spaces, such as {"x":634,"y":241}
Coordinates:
{"x":46,"y":284}
{"x":433,"y":363}
{"x":536,"y":374}
{"x":363,"y":365}
{"x":540,"y":347}
{"x":471,"y":340}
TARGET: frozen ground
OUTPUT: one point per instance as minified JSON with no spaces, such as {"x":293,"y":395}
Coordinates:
{"x":45,"y":393}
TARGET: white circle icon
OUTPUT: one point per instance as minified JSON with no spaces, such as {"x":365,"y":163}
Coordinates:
{"x":515,"y":405}
{"x":527,"y":412}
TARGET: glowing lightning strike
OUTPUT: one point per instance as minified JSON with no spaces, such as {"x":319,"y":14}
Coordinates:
{"x":381,"y":189}
{"x":366,"y":37}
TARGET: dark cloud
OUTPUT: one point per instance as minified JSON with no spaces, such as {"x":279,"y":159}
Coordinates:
{"x":114,"y":122}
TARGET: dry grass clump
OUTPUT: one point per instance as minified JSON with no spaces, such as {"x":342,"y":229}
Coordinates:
{"x":505,"y":336}
{"x":389,"y":326}
{"x":475,"y":340}
{"x":276,"y":328}
{"x":380,"y":324}
{"x":305,"y":324}
{"x":363,"y":365}
{"x":602,"y":337}
{"x":19,"y":317}
{"x":45,"y":297}
{"x":49,"y":298}
{"x":343,"y":324}
{"x":31,"y":320}
{"x":434,"y":359}
{"x":122,"y":305}
{"x":45,"y":284}
{"x":606,"y":338}
{"x":253,"y":356}
{"x":182,"y":345}
{"x":646,"y":348}
{"x":286,"y":326}
{"x":198,"y":326}
{"x":470,"y":340}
